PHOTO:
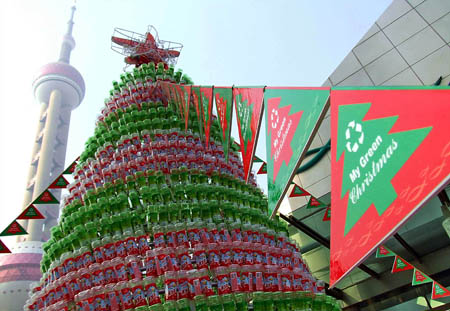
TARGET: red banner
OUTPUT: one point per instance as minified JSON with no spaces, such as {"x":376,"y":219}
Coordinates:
{"x":206,"y":95}
{"x":390,"y":154}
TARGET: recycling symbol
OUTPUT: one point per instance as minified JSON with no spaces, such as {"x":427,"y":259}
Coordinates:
{"x":354,"y":136}
{"x":274,"y":118}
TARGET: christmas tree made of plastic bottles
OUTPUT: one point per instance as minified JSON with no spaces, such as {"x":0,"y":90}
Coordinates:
{"x":155,"y":220}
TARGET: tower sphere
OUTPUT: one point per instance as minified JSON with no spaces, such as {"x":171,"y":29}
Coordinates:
{"x":61,"y":76}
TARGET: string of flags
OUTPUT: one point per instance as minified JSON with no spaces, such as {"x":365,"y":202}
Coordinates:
{"x":32,"y":212}
{"x":286,"y":137}
{"x":313,"y":202}
{"x":418,"y":278}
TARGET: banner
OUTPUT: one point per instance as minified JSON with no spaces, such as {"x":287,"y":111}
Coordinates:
{"x":3,"y":248}
{"x":71,"y":168}
{"x":59,"y":183}
{"x":439,"y":291}
{"x":383,"y":251}
{"x":298,"y":191}
{"x":249,"y":105}
{"x":196,"y":100}
{"x":293,"y":116}
{"x":206,"y":96}
{"x":179,"y":98}
{"x":263,"y":169}
{"x":223,"y":97}
{"x":31,"y":212}
{"x":46,"y":197}
{"x":420,"y":278}
{"x":186,"y":98}
{"x":327,"y":215}
{"x":400,"y":264}
{"x":390,"y":149}
{"x":315,"y":203}
{"x":13,"y":229}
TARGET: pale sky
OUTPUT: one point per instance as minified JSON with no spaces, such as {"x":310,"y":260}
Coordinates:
{"x":261,"y":42}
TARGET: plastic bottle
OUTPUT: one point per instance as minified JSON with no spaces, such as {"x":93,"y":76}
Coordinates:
{"x":151,"y":291}
{"x":170,"y":285}
{"x":223,"y":280}
{"x":134,"y":267}
{"x":137,"y":289}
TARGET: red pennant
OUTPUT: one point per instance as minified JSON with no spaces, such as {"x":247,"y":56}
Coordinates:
{"x":13,"y":229}
{"x":298,"y":191}
{"x":59,"y":183}
{"x":196,"y":100}
{"x":3,"y":248}
{"x":31,"y":212}
{"x":185,"y":102}
{"x":439,"y":291}
{"x":420,"y":278}
{"x":46,"y":197}
{"x":263,"y":169}
{"x":400,"y":264}
{"x":327,"y":215}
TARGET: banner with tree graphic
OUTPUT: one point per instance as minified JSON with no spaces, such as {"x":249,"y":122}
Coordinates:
{"x":223,"y":97}
{"x":249,"y":105}
{"x":378,"y":143}
{"x":293,"y":116}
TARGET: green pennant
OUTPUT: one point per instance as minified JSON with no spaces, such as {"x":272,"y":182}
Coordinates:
{"x":400,"y":264}
{"x":31,"y":212}
{"x":223,"y":97}
{"x":186,"y":93}
{"x":327,"y":215}
{"x":59,"y":183}
{"x":263,"y":169}
{"x":46,"y":197}
{"x":3,"y":248}
{"x":13,"y":229}
{"x":196,"y":100}
{"x":206,"y":100}
{"x":420,"y":278}
{"x":298,"y":191}
{"x":257,"y":159}
{"x":315,"y":203}
{"x":71,"y":168}
{"x":383,"y":251}
{"x":439,"y":291}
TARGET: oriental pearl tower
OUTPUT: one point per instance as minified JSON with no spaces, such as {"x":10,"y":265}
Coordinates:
{"x":58,"y":88}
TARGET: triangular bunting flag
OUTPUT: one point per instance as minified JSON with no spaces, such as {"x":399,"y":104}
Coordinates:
{"x":206,"y":98}
{"x":59,"y":183}
{"x":293,"y":116}
{"x":420,"y":278}
{"x":263,"y":169}
{"x":71,"y":168}
{"x":383,"y":251}
{"x":298,"y":191}
{"x":315,"y":203}
{"x":31,"y":212}
{"x":327,"y":215}
{"x":196,"y":100}
{"x":249,"y":105}
{"x":223,"y":97}
{"x":377,"y":145}
{"x":439,"y":291}
{"x":385,"y":147}
{"x":165,"y":90}
{"x":13,"y":229}
{"x":257,"y":159}
{"x":186,"y":92}
{"x":3,"y":248}
{"x":46,"y":197}
{"x":178,"y":94}
{"x":400,"y":264}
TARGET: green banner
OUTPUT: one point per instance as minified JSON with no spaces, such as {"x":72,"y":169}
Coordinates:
{"x":292,"y":118}
{"x":420,"y":278}
{"x":46,"y":197}
{"x":223,"y":97}
{"x":196,"y":100}
{"x":206,"y":98}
